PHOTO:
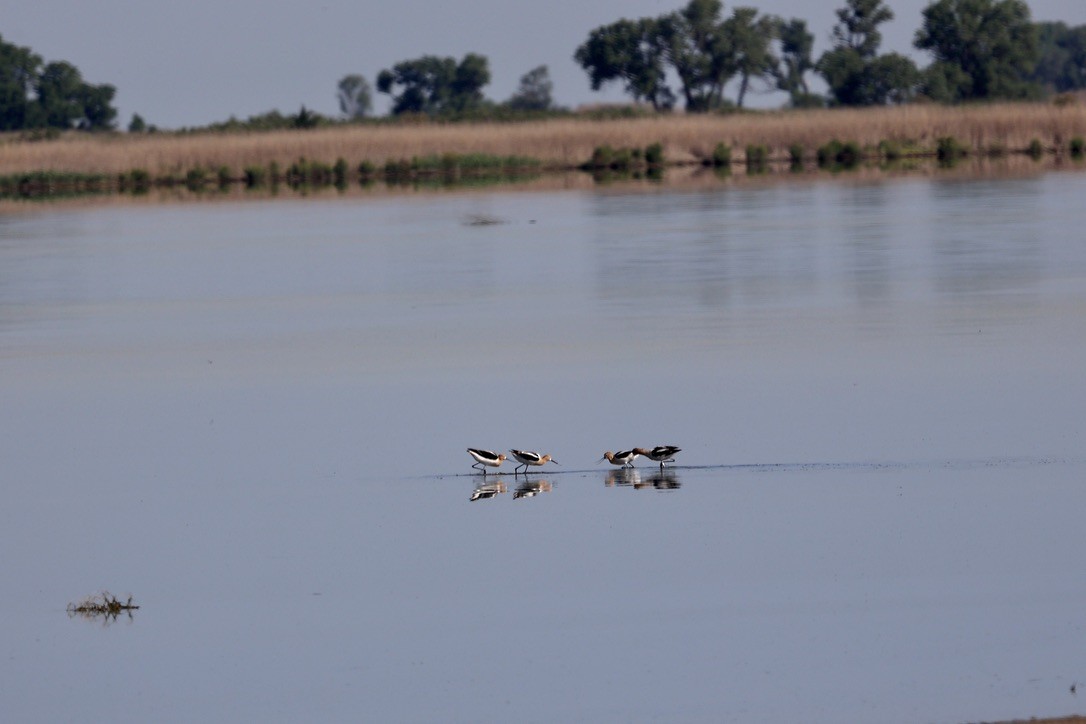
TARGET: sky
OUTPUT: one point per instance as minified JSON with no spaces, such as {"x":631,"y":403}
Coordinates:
{"x":192,"y":63}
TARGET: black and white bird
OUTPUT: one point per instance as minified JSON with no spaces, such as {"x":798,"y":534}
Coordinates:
{"x":527,"y":457}
{"x":486,"y":457}
{"x":659,"y":454}
{"x":624,"y":458}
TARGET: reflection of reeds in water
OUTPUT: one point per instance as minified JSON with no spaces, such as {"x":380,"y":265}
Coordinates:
{"x":682,"y":178}
{"x":104,"y":606}
{"x":532,"y":488}
{"x":663,"y":479}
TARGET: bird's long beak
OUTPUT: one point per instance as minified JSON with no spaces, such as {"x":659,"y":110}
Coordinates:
{"x":554,"y":461}
{"x":600,"y":460}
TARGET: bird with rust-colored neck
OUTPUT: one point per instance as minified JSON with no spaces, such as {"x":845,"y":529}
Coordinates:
{"x":659,"y":454}
{"x":624,"y":458}
{"x":527,"y":457}
{"x":486,"y":457}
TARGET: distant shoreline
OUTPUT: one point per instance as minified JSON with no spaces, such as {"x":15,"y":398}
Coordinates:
{"x":351,"y":152}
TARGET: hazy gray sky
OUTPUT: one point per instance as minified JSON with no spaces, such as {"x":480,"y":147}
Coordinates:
{"x":195,"y":62}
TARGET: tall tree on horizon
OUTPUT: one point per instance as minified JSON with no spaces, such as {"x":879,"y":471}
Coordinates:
{"x":750,"y":39}
{"x":33,"y":95}
{"x":354,"y":95}
{"x":534,"y":91}
{"x":632,"y":52}
{"x":981,"y":49}
{"x":1061,"y":57}
{"x":796,"y":44}
{"x":856,"y":74}
{"x":434,"y":85}
{"x":698,"y":49}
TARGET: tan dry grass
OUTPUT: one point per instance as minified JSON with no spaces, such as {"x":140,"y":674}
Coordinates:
{"x":562,"y":142}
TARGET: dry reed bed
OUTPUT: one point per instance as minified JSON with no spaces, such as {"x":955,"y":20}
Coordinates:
{"x":557,"y":143}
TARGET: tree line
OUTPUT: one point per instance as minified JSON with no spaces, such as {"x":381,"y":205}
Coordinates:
{"x":980,"y":50}
{"x":437,"y":86}
{"x":36,"y":94}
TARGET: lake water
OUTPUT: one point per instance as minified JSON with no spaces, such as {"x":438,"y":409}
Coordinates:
{"x":252,"y":417}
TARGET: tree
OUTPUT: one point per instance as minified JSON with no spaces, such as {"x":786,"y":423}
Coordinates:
{"x":354,"y":95}
{"x":796,"y":44}
{"x":534,"y":91}
{"x":855,"y":73}
{"x":857,"y":26}
{"x":98,"y":114}
{"x":55,"y":95}
{"x":305,"y":118}
{"x":749,"y":38}
{"x":698,"y":48}
{"x":629,"y":51}
{"x":1061,"y":57}
{"x":704,"y":50}
{"x":982,"y":49}
{"x":59,"y":89}
{"x":19,"y":69}
{"x":466,"y":92}
{"x":435,"y":85}
{"x":65,"y":101}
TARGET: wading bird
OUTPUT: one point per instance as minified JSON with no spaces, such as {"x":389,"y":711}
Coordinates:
{"x":659,"y":454}
{"x":526,"y":458}
{"x":624,"y":458}
{"x":485,"y":457}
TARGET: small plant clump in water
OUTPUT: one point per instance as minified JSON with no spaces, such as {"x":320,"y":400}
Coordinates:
{"x":795,"y":155}
{"x":104,"y":605}
{"x":757,"y":158}
{"x":224,"y":176}
{"x":195,"y":179}
{"x":654,"y":154}
{"x":605,"y":158}
{"x":255,"y":176}
{"x":631,"y":161}
{"x":948,"y":149}
{"x":890,"y":150}
{"x":308,"y":173}
{"x":339,"y":173}
{"x":722,"y":156}
{"x":602,"y":157}
{"x":1078,"y":147}
{"x":1035,"y":149}
{"x":838,"y":154}
{"x":138,"y":180}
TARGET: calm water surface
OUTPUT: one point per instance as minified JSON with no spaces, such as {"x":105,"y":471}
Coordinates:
{"x":252,"y":417}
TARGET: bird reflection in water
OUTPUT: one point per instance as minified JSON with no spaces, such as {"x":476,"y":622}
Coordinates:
{"x":664,"y":479}
{"x":489,"y":489}
{"x":529,"y":488}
